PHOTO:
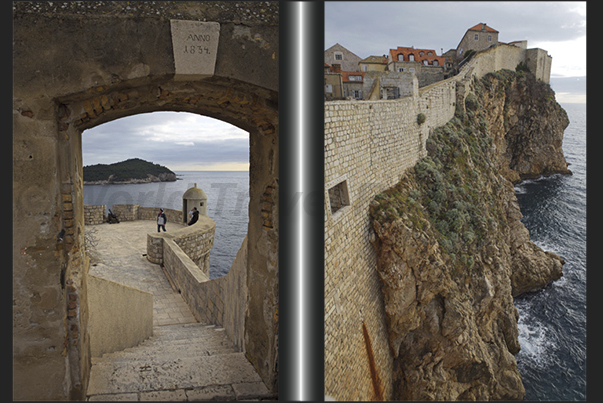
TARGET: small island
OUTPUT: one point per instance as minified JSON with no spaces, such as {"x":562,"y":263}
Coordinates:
{"x":134,"y":170}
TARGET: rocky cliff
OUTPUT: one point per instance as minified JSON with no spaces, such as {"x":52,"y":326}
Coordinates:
{"x":452,"y":251}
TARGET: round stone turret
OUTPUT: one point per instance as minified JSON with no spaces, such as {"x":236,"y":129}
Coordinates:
{"x":194,"y":197}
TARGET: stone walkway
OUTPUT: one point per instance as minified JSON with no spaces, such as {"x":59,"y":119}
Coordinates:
{"x":183,"y":360}
{"x":120,"y":256}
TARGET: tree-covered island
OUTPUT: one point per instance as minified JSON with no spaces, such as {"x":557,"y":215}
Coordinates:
{"x":134,"y":170}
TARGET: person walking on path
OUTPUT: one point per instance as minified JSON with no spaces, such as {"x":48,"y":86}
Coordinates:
{"x":161,"y":220}
{"x":195,"y":216}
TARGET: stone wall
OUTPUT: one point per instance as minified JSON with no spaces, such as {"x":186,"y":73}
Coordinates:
{"x":185,"y":256}
{"x":113,"y":327}
{"x":197,"y":247}
{"x":150,"y":213}
{"x":222,"y":301}
{"x":505,"y":56}
{"x":94,"y":214}
{"x":131,"y":212}
{"x":126,"y":212}
{"x":368,"y":146}
{"x":195,"y":241}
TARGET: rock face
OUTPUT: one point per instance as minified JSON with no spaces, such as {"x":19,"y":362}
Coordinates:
{"x":527,"y":125}
{"x":452,"y":251}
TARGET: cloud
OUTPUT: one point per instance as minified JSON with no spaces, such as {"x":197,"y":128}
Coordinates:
{"x":173,"y":139}
{"x":372,"y":28}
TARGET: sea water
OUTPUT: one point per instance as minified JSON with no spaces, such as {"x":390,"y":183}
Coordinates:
{"x":552,"y":321}
{"x":227,"y":204}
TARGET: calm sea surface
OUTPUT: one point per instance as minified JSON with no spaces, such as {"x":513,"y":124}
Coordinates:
{"x":552,"y":322}
{"x":227,"y":204}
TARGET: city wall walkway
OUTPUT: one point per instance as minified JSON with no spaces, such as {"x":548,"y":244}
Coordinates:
{"x":183,"y":360}
{"x":120,"y":256}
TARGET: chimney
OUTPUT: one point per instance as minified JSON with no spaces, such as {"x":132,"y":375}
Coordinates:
{"x":336,"y":68}
{"x":483,"y":26}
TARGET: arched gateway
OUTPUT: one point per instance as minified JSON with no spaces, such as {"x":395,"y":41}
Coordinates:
{"x":79,"y":64}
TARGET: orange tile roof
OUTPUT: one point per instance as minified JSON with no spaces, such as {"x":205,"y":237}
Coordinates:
{"x":478,"y":27}
{"x":418,"y":57}
{"x":346,"y":74}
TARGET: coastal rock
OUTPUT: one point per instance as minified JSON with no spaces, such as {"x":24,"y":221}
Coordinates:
{"x":452,"y":251}
{"x":527,"y":125}
{"x":112,"y":180}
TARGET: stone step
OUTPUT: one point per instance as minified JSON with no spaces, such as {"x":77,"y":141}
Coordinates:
{"x":178,"y":373}
{"x":192,"y":340}
{"x":187,"y":341}
{"x":187,"y":331}
{"x":167,"y":352}
{"x":179,"y":362}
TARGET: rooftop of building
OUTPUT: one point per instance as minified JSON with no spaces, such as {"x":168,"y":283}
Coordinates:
{"x":482,"y":26}
{"x":419,"y":54}
{"x":346,"y":76}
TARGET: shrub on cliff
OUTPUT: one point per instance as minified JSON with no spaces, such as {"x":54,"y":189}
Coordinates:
{"x":451,"y":183}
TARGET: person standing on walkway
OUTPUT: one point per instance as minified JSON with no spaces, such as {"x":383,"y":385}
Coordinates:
{"x":195,"y":216}
{"x":161,"y":220}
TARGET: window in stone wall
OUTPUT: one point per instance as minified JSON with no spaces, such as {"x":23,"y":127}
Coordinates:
{"x":476,"y":37}
{"x":338,"y":56}
{"x":339,"y":196}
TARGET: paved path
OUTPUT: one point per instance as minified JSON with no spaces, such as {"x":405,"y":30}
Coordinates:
{"x":120,"y":256}
{"x":183,"y":360}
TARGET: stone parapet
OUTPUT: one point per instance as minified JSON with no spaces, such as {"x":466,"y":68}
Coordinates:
{"x":126,"y":212}
{"x":195,"y":241}
{"x":150,"y":213}
{"x":94,"y":214}
{"x":120,"y":316}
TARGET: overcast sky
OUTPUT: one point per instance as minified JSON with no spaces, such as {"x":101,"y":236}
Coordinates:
{"x":372,"y":28}
{"x":179,"y":140}
{"x":184,"y":141}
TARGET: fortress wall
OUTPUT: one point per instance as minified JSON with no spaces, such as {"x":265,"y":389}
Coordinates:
{"x":539,"y":63}
{"x":150,"y":213}
{"x":368,"y":146}
{"x":126,"y":212}
{"x":94,"y":214}
{"x":210,"y":301}
{"x":506,"y":56}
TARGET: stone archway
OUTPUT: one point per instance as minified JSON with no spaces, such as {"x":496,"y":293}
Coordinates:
{"x":101,"y":62}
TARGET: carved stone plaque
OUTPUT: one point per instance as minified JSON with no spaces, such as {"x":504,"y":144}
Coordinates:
{"x":195,"y":47}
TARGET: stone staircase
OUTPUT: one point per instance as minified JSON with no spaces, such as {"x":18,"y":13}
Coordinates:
{"x":179,"y":362}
